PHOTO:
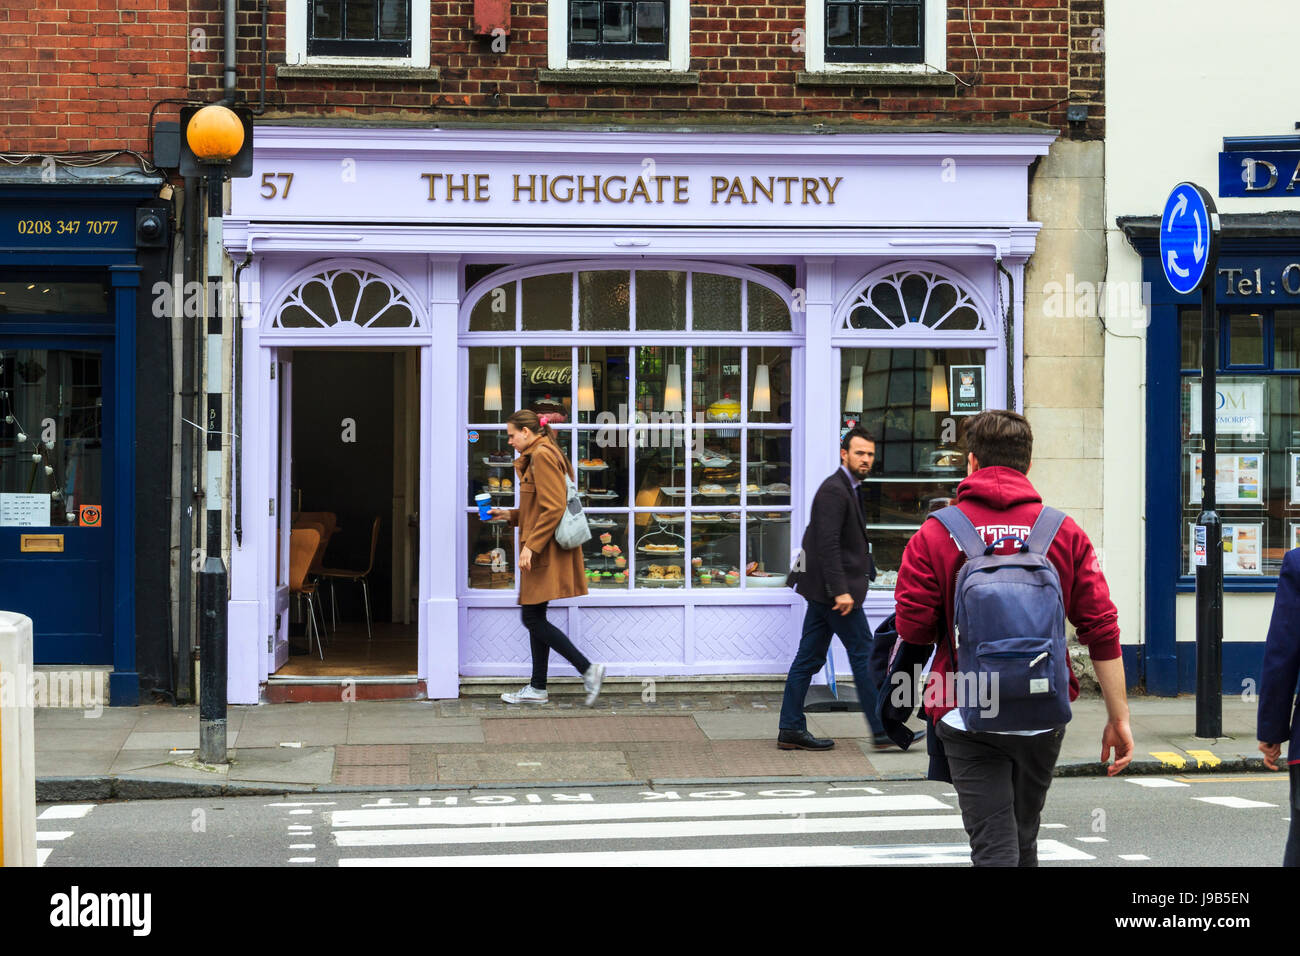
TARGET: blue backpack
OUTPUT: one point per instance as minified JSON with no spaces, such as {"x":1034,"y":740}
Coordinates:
{"x":1012,"y":665}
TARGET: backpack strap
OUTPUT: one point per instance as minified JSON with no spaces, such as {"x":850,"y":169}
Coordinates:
{"x":1044,"y":530}
{"x":961,"y":528}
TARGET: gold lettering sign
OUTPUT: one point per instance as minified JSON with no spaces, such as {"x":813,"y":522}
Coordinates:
{"x":584,"y":188}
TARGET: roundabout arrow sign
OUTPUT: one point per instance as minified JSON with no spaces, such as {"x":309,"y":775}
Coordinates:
{"x":1189,"y":237}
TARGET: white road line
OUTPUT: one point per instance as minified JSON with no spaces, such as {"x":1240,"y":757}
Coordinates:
{"x":69,"y":811}
{"x":301,"y":812}
{"x":558,"y":813}
{"x":1236,"y":803}
{"x":913,"y":855}
{"x":302,"y":846}
{"x":633,"y":831}
{"x":302,"y":859}
{"x":1133,"y":856}
{"x":1092,"y":839}
{"x":1052,"y":826}
{"x":299,"y":829}
{"x":1154,"y":782}
{"x":43,"y":854}
{"x":319,"y":803}
{"x":53,"y":835}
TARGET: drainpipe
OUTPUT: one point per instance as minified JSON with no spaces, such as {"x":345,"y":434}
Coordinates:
{"x":188,"y":484}
{"x":229,"y":76}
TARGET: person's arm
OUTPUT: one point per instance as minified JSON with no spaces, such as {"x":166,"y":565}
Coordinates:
{"x":1116,"y":736}
{"x":1096,"y":622}
{"x":552,"y":496}
{"x":828,"y":523}
{"x":1281,"y":667}
{"x":918,"y":597}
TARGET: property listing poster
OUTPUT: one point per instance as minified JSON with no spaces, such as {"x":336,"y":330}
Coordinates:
{"x":1243,"y":548}
{"x":1295,"y":536}
{"x":1295,"y":478}
{"x":1238,"y":479}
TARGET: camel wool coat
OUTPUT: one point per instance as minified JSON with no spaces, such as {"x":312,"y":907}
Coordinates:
{"x":556,"y":572}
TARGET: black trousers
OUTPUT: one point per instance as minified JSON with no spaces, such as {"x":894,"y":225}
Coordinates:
{"x":1001,"y":782}
{"x":1292,"y":855}
{"x":545,"y":637}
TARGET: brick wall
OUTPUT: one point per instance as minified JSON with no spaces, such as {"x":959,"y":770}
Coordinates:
{"x":1022,"y":59}
{"x":83,"y":74}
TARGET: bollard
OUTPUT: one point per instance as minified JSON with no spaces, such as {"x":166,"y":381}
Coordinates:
{"x":212,"y":661}
{"x":17,"y":743}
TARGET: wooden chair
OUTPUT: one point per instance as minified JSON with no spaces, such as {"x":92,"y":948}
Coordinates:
{"x":303,"y":543}
{"x":346,"y":574}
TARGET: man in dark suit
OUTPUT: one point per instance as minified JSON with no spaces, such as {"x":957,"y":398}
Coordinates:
{"x":831,"y":573}
{"x":1279,"y":709}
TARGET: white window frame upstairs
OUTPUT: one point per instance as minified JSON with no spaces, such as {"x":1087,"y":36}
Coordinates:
{"x":679,"y":42}
{"x":936,"y":43}
{"x":295,"y":41}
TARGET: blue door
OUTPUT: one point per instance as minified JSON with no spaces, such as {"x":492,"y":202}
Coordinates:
{"x":57,"y":422}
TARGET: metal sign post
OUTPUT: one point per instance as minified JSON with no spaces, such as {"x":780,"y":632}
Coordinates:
{"x":1189,"y":249}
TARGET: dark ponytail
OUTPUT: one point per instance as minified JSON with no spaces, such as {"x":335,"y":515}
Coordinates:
{"x":527,"y":418}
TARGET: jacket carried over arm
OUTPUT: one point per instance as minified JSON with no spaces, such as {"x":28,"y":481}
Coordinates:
{"x":1279,"y":708}
{"x":999,"y":501}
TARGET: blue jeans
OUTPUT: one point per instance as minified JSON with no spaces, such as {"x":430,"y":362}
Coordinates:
{"x":819,"y":623}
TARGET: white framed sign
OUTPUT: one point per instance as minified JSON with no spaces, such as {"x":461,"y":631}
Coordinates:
{"x":1295,"y":536}
{"x":1238,"y":479}
{"x":24,"y":511}
{"x":1243,"y":548}
{"x":1239,"y":408}
{"x":1294,"y":497}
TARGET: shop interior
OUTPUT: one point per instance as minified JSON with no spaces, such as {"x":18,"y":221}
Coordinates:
{"x":354,"y":491}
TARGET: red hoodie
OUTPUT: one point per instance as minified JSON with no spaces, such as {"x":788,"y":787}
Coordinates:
{"x":998,"y":501}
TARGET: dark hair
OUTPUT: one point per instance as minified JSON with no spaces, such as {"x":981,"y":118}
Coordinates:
{"x":1000,"y":437}
{"x":527,"y":418}
{"x":857,"y":431}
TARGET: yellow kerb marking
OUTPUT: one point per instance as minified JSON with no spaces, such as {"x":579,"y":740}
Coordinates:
{"x":1204,"y":758}
{"x":1169,"y":759}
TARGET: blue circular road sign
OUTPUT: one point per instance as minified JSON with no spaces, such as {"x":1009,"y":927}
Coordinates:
{"x":1189,"y":237}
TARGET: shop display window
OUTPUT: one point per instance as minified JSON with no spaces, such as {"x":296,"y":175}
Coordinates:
{"x":682,"y":452}
{"x":1257,"y":471}
{"x":902,"y":396}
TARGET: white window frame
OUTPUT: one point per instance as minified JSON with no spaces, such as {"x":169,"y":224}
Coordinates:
{"x":295,"y":41}
{"x":679,"y":42}
{"x":936,"y":43}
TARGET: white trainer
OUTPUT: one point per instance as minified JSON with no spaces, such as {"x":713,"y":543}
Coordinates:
{"x":528,"y":694}
{"x":591,"y":680}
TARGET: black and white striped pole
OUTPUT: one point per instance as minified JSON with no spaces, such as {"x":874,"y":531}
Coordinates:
{"x":215,"y":134}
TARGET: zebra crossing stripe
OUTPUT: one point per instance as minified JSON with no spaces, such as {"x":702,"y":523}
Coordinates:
{"x":1049,"y":851}
{"x":643,"y":830}
{"x":589,"y":812}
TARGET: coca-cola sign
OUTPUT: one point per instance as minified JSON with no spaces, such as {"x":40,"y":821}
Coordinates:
{"x":546,"y":373}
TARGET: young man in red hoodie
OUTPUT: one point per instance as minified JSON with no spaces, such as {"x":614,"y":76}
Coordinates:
{"x":1002,"y":778}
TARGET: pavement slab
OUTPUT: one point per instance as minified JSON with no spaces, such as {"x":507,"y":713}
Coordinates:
{"x":171,"y":739}
{"x":283,"y":765}
{"x":526,"y":766}
{"x":366,"y":776}
{"x":762,"y":758}
{"x":419,"y":733}
{"x":590,"y":730}
{"x":83,"y":740}
{"x":371,"y":755}
{"x":731,"y":725}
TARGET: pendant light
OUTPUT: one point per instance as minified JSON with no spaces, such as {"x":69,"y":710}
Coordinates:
{"x":762,"y":392}
{"x":673,"y":389}
{"x":492,"y":389}
{"x":853,"y":399}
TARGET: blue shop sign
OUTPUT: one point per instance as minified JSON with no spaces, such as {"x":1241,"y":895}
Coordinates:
{"x":1264,"y":173}
{"x":66,"y":226}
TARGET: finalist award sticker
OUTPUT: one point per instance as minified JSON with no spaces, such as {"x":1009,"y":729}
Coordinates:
{"x":1198,"y":548}
{"x":473,"y":437}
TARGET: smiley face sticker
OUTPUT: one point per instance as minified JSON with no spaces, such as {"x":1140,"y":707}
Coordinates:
{"x":90,"y":516}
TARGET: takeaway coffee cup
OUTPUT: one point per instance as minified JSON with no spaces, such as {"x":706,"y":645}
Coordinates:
{"x":484,"y":506}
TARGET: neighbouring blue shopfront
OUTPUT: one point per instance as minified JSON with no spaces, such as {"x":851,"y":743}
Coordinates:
{"x":78,"y":257}
{"x":1257,"y":472}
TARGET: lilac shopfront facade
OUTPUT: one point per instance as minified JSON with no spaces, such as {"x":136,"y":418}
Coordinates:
{"x":702,"y":313}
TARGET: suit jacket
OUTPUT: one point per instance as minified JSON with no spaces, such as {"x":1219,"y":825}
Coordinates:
{"x":835,"y":555}
{"x":1279,"y":709}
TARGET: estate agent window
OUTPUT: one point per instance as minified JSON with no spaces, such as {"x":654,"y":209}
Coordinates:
{"x":1257,"y":474}
{"x":672,"y":391}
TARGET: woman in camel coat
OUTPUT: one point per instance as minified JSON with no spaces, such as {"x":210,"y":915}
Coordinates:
{"x":547,"y":572}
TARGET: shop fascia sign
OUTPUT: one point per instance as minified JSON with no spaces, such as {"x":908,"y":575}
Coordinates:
{"x":1262,"y":166}
{"x":809,"y":181}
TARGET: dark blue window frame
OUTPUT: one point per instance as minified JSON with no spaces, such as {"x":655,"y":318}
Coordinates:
{"x":875,"y":31}
{"x":357,"y":36}
{"x":599,"y":16}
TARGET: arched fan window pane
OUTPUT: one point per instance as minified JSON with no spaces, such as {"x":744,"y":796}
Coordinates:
{"x":495,"y":310}
{"x":912,"y":298}
{"x":346,"y":297}
{"x":767,"y":310}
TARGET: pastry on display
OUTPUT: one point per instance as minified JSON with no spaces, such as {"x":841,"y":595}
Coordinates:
{"x":507,"y":484}
{"x":611,"y":550}
{"x":606,"y":538}
{"x":662,"y":548}
{"x":697,"y":562}
{"x":494,"y":483}
{"x":712,"y":459}
{"x":485,"y":559}
{"x":664,"y":572}
{"x":752,"y":488}
{"x":778,"y":488}
{"x":732,"y":578}
{"x":706,"y":577}
{"x":591,"y":463}
{"x":620,"y":577}
{"x":706,"y":518}
{"x":501,"y":458}
{"x":554,"y":411}
{"x":620,"y":562}
{"x":709,"y":488}
{"x":726,"y":409}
